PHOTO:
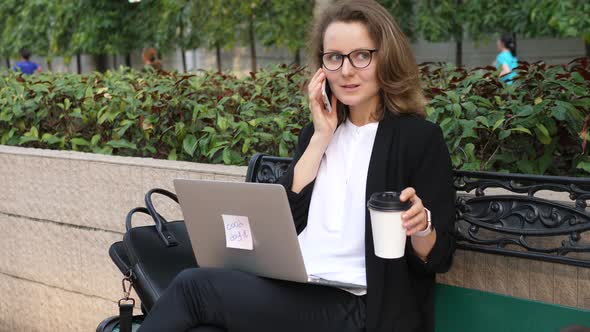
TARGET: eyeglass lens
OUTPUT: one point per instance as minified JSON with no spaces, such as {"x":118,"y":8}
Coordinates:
{"x":359,"y":59}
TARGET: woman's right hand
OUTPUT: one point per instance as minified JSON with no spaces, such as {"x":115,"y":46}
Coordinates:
{"x":324,"y":122}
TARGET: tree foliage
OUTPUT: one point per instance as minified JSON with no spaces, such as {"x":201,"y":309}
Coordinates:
{"x":403,"y":11}
{"x":63,"y":27}
{"x":24,"y":25}
{"x":567,"y":18}
{"x":441,"y":20}
{"x":285,"y":23}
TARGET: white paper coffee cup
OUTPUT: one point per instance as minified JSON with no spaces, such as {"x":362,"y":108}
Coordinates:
{"x":389,"y":235}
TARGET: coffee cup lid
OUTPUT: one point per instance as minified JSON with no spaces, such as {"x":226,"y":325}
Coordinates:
{"x":387,"y":201}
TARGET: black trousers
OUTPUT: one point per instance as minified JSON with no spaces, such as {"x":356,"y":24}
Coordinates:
{"x":235,"y":301}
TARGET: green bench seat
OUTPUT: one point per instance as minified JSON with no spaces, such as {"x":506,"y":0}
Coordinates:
{"x":466,"y":310}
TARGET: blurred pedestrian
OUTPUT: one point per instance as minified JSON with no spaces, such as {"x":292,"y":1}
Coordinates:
{"x":151,"y":58}
{"x":25,"y":65}
{"x":506,"y":60}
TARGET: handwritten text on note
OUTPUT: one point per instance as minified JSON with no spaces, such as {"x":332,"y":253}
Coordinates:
{"x":237,"y":232}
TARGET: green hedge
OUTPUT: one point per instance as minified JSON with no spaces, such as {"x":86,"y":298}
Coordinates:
{"x":537,"y":125}
{"x":533,"y":126}
{"x":210,"y":117}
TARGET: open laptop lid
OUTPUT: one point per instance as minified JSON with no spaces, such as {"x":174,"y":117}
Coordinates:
{"x":243,"y":226}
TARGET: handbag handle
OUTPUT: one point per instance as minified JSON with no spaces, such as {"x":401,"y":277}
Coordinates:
{"x":128,"y":224}
{"x":167,"y":237}
{"x":131,"y":213}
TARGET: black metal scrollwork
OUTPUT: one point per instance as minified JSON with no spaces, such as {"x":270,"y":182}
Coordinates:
{"x":271,"y":172}
{"x":520,"y":225}
{"x":267,"y":169}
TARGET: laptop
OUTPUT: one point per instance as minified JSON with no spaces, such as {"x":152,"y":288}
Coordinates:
{"x":247,"y":227}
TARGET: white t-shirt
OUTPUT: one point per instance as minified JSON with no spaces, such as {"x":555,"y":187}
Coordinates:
{"x":333,"y":242}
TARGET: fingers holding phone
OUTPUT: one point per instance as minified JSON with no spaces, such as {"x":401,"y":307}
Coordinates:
{"x":324,"y":114}
{"x":314,"y":91}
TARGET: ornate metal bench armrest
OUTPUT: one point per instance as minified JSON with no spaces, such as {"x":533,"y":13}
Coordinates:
{"x":517,"y":222}
{"x":266,"y":169}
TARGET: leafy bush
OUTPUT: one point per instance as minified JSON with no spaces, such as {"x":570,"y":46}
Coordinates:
{"x":210,"y":117}
{"x":537,"y":125}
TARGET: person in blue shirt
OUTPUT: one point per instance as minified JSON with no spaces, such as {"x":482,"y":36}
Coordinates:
{"x":25,"y":65}
{"x":506,"y":59}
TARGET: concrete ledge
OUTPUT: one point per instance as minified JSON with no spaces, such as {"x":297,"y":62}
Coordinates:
{"x":33,"y":307}
{"x":523,"y":278}
{"x":91,"y":190}
{"x":129,"y":161}
{"x":73,"y":259}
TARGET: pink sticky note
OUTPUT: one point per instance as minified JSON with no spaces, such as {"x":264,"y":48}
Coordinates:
{"x":237,"y":232}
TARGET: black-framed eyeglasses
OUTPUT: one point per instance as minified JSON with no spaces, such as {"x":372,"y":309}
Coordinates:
{"x":358,"y":59}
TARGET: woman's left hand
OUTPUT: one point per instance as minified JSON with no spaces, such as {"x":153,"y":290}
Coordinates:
{"x":414,"y":219}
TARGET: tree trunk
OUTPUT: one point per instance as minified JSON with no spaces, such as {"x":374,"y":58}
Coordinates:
{"x":49,"y":65}
{"x":182,"y":48}
{"x":252,"y":44}
{"x":183,"y":51}
{"x":128,"y":60}
{"x":459,"y":41}
{"x":459,"y":53}
{"x":297,"y":59}
{"x":587,"y":49}
{"x":100,"y":61}
{"x":115,"y":65}
{"x":218,"y":56}
{"x":79,"y":63}
{"x":8,"y":62}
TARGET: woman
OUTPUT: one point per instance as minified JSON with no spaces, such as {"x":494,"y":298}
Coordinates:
{"x":375,"y":140}
{"x":506,"y":60}
{"x":151,"y":59}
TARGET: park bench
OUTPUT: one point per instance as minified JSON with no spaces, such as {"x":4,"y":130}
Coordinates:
{"x":512,"y":222}
{"x":499,"y":214}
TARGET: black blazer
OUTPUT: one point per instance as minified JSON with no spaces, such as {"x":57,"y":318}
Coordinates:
{"x":408,"y":152}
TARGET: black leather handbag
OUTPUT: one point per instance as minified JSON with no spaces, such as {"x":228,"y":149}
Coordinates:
{"x":149,"y":257}
{"x":155,"y":254}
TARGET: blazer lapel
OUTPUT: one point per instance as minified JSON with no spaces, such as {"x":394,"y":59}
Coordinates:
{"x":377,"y":181}
{"x":377,"y":174}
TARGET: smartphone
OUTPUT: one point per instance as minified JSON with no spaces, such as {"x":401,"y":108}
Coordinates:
{"x":327,"y":95}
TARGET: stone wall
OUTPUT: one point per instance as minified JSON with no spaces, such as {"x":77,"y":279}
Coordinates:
{"x":59,"y":213}
{"x":529,"y":279}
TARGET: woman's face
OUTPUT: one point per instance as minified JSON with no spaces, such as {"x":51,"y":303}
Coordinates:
{"x":357,"y":88}
{"x":499,"y":45}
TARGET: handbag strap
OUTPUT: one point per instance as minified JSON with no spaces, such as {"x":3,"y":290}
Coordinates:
{"x":126,"y":304}
{"x":166,"y":236}
{"x":125,"y":317}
